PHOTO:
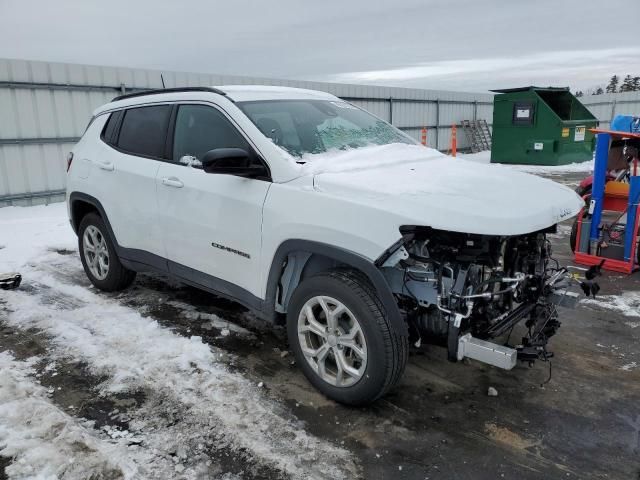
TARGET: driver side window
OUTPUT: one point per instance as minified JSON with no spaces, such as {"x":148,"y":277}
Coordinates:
{"x":200,"y":128}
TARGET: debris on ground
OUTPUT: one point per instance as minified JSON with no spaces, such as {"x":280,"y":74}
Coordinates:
{"x":492,"y":392}
{"x":10,"y":281}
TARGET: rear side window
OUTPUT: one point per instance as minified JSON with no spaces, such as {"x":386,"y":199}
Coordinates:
{"x":144,"y":130}
{"x":109,"y":128}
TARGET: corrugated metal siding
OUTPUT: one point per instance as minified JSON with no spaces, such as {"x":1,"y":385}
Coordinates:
{"x":39,"y":121}
{"x":608,"y":105}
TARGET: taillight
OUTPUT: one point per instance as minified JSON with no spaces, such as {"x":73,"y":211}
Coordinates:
{"x":69,"y":160}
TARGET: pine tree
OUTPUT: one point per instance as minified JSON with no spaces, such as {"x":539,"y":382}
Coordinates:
{"x":636,"y":84}
{"x":613,"y":84}
{"x":579,"y":93}
{"x":598,"y":91}
{"x":627,"y":84}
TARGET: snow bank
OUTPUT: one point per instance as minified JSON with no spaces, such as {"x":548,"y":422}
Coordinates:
{"x":44,"y":441}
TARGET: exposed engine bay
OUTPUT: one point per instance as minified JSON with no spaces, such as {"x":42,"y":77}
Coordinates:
{"x":462,"y":290}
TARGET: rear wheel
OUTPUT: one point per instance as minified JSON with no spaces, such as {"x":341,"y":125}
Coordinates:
{"x":98,"y":256}
{"x":582,"y":191}
{"x":342,"y":339}
{"x":573,"y":238}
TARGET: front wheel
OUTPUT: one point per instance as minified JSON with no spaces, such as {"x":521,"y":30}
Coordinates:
{"x":342,"y":339}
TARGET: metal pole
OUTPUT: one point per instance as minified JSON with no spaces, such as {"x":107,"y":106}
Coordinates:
{"x":475,"y":110}
{"x":631,"y":228}
{"x":123,"y":89}
{"x":391,"y":110}
{"x":613,"y":111}
{"x":437,"y":124}
{"x":597,"y":192}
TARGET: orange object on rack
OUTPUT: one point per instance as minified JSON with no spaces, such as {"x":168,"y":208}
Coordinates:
{"x":619,"y":189}
{"x":424,"y":136}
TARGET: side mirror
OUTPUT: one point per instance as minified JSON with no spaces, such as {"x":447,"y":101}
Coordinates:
{"x":231,"y":161}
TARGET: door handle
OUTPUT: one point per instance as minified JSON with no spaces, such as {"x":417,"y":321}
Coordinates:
{"x":172,"y":182}
{"x":108,"y":166}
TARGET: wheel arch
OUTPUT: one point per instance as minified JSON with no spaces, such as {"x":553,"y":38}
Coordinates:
{"x":80,"y":205}
{"x":310,"y":257}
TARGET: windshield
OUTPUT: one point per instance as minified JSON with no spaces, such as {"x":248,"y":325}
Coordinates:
{"x":315,"y":126}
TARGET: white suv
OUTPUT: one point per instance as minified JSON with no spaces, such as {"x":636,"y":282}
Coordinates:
{"x":310,"y":211}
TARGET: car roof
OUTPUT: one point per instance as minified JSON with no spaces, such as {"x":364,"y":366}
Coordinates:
{"x":235,"y":93}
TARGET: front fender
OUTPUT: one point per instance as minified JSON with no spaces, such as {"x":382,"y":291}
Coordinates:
{"x":343,"y":256}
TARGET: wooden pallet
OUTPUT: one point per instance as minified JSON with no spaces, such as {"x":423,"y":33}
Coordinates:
{"x":478,"y":135}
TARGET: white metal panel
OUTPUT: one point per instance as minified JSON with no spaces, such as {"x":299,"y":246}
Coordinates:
{"x":46,"y":113}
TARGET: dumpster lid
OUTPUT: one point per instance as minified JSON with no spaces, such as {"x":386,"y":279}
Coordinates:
{"x":531,"y":87}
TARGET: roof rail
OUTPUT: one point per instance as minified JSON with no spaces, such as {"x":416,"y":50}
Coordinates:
{"x":169,"y":90}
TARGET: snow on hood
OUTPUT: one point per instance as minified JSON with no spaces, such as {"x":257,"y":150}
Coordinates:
{"x":424,"y":187}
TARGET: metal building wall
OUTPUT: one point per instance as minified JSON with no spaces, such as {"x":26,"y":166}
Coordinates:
{"x":608,"y":105}
{"x":44,"y":108}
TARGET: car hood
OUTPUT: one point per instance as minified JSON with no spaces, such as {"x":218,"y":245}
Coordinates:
{"x":421,"y":186}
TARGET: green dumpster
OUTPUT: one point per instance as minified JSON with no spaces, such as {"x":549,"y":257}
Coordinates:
{"x":541,"y":126}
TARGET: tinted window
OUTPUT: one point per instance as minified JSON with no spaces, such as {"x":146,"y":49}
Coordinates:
{"x":144,"y":130}
{"x":200,"y":128}
{"x":110,"y":126}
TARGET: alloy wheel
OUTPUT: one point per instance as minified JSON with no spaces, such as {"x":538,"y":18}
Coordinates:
{"x":332,"y":341}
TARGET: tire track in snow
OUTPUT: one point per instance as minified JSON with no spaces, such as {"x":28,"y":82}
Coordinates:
{"x":136,"y":353}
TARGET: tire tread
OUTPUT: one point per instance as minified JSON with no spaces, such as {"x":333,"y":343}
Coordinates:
{"x":396,"y":346}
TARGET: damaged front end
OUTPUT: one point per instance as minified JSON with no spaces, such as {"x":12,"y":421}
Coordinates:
{"x":464,"y":290}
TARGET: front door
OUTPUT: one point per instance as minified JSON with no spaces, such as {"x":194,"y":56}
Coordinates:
{"x":211,"y":223}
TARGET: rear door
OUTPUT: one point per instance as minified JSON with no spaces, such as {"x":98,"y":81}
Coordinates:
{"x":135,"y":141}
{"x":211,"y":223}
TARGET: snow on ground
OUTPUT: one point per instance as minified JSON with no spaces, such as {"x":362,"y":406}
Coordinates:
{"x":44,"y":441}
{"x":134,"y":353}
{"x":27,"y":231}
{"x":485,"y":157}
{"x":190,"y":312}
{"x":627,"y":303}
{"x":629,"y":366}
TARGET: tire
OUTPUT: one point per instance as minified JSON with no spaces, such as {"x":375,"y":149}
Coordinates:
{"x":108,"y":275}
{"x":582,"y":191}
{"x":574,"y":235}
{"x":367,"y":377}
{"x":573,"y":238}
